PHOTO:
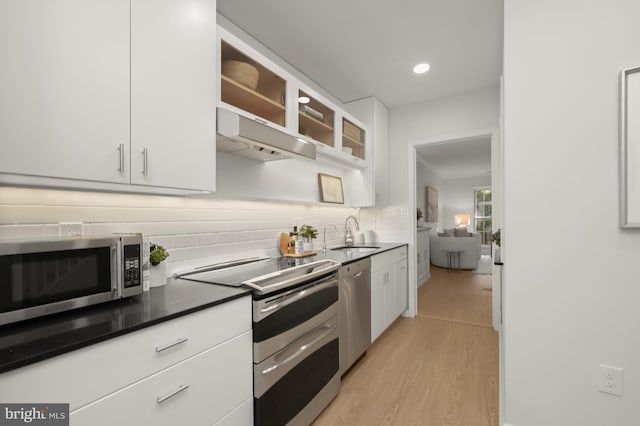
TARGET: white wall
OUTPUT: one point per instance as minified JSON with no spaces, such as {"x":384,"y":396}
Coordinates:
{"x":572,"y":287}
{"x":446,"y":116}
{"x":191,"y":229}
{"x":458,"y":197}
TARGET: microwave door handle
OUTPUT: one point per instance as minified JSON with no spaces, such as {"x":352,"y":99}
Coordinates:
{"x":115,"y":272}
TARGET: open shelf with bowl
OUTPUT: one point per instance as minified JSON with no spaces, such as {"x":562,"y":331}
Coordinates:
{"x":250,"y":86}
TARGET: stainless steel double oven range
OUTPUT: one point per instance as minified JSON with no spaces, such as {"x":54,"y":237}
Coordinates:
{"x":295,"y":334}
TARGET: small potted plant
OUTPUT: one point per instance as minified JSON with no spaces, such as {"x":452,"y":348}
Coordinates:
{"x":308,"y":233}
{"x":158,"y":269}
{"x":419,"y":216}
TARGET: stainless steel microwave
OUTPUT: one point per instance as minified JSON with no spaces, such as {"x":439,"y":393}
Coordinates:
{"x":43,"y":277}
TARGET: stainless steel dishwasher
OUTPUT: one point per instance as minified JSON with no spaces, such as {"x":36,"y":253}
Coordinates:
{"x":355,"y":311}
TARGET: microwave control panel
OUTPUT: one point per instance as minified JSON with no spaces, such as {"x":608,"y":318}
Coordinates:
{"x":132,"y":266}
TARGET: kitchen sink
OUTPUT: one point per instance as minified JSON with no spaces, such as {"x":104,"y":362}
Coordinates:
{"x":361,"y":249}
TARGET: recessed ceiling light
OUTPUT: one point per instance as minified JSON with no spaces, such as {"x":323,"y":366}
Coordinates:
{"x":421,"y":68}
{"x":304,"y":99}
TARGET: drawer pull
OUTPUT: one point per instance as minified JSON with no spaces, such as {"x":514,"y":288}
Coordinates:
{"x":172,"y":344}
{"x":181,"y":388}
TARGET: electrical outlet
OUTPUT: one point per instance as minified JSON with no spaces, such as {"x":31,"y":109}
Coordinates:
{"x":610,"y":380}
{"x":70,"y":229}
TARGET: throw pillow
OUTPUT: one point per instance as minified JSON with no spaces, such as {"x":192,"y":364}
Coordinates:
{"x":450,"y":232}
{"x":442,"y":234}
{"x":461,"y":232}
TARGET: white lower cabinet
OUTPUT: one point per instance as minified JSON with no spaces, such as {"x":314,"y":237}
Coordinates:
{"x":241,"y":416}
{"x":195,"y":369}
{"x":198,"y":391}
{"x":422,"y":256}
{"x":389,"y":292}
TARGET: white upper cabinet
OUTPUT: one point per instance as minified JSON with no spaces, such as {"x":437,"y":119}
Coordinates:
{"x":64,"y":88}
{"x":173,"y":60}
{"x":339,"y":137}
{"x":253,"y":85}
{"x":88,"y":85}
{"x":376,"y":116}
{"x":250,"y":84}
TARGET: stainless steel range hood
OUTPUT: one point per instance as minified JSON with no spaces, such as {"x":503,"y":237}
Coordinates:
{"x":242,"y":136}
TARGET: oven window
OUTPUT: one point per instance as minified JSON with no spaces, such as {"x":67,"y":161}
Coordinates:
{"x":289,"y":395}
{"x":40,"y":278}
{"x":295,"y":314}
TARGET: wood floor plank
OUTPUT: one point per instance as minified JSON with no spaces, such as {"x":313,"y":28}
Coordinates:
{"x":426,"y":370}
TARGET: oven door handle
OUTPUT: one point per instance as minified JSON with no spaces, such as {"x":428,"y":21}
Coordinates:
{"x":302,"y":346}
{"x":311,"y":274}
{"x":294,"y":297}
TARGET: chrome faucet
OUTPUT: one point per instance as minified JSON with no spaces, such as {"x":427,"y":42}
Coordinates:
{"x":324,"y":235}
{"x":348,"y":236}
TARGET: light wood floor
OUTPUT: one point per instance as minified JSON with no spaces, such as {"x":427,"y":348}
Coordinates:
{"x":440,"y":368}
{"x":460,"y":296}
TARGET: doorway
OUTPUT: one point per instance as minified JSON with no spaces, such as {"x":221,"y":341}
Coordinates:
{"x":496,"y":222}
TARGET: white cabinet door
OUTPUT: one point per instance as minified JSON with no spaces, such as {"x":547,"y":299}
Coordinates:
{"x":419,"y":258}
{"x":173,"y":67}
{"x":390,"y":296}
{"x":422,"y":254}
{"x":64,"y":88}
{"x":402,"y":292}
{"x":377,"y":302}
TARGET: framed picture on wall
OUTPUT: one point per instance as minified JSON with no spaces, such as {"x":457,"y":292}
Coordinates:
{"x":431,"y":201}
{"x":630,"y":148}
{"x":330,"y":189}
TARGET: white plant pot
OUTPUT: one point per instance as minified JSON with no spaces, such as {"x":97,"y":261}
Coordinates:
{"x":420,"y":223}
{"x":307,"y":246}
{"x":158,"y":275}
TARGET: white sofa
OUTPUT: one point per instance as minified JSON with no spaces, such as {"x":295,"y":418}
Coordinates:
{"x":470,"y":246}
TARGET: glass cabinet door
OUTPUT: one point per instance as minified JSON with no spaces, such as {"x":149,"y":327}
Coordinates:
{"x":250,"y":86}
{"x":353,"y":138}
{"x":315,"y":120}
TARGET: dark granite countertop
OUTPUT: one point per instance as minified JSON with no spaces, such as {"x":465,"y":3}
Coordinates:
{"x":34,"y":340}
{"x":356,"y":252}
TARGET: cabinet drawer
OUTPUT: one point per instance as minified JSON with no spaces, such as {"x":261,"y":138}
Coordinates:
{"x":382,"y":260}
{"x":198,"y":391}
{"x":241,"y":416}
{"x":387,"y":258}
{"x":87,"y":374}
{"x":400,"y":253}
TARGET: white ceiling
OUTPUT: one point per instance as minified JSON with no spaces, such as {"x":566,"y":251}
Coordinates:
{"x":465,"y":158}
{"x":360,"y":48}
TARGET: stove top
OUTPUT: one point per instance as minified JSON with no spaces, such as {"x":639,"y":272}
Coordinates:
{"x":264,"y":275}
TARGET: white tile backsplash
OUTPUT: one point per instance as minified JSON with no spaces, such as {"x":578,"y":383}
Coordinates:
{"x":192,"y":229}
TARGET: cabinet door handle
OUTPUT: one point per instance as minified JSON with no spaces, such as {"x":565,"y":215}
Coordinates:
{"x":172,"y":344}
{"x":171,"y":394}
{"x":121,"y":158}
{"x":145,"y":161}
